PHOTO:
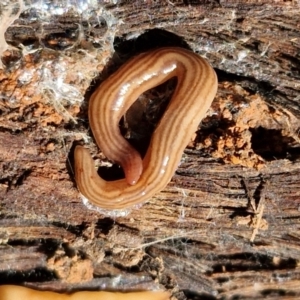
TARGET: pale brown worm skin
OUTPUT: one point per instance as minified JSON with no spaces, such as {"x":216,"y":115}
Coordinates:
{"x":13,"y":292}
{"x":194,"y":93}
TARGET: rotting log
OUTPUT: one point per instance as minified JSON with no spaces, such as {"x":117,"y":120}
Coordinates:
{"x":228,"y":223}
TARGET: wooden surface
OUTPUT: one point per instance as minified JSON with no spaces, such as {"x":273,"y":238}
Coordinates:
{"x":227,"y":226}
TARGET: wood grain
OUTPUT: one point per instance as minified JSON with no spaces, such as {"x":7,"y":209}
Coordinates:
{"x":196,"y":235}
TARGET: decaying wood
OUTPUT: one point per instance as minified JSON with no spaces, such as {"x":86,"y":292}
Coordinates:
{"x":227,"y":226}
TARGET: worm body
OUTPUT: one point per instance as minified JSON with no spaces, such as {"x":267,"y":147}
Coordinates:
{"x":194,"y":93}
{"x":13,"y":292}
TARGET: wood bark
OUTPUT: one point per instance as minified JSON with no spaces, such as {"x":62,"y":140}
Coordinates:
{"x":227,"y":225}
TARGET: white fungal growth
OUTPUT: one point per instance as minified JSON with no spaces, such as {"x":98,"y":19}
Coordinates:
{"x":113,"y":213}
{"x":62,"y":81}
{"x":9,"y":12}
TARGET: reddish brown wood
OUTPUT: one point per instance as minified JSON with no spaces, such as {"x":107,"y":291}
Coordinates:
{"x":228,"y":223}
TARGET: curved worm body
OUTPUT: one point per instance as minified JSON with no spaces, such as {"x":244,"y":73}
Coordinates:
{"x":194,"y":93}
